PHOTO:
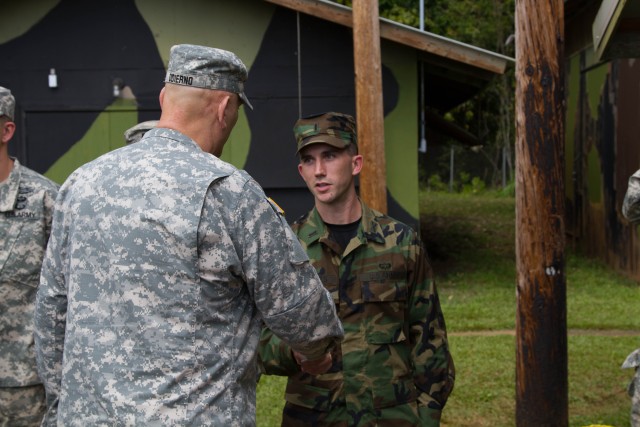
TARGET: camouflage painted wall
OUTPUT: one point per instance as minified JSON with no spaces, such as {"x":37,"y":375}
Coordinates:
{"x":602,"y":151}
{"x":94,"y":45}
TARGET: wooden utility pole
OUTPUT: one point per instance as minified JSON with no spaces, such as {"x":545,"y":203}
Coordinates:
{"x":541,"y":321}
{"x":369,"y":111}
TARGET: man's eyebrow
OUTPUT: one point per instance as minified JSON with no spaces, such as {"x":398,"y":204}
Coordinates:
{"x":330,"y":149}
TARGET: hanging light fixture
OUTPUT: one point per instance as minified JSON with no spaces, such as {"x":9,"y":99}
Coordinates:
{"x":53,"y":78}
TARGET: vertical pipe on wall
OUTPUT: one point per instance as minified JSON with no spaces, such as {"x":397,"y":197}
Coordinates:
{"x":451,"y":168}
{"x":299,"y":65}
{"x":423,"y":138}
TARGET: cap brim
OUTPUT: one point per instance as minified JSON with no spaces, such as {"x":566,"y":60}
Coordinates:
{"x":323,"y":139}
{"x":245,"y":100}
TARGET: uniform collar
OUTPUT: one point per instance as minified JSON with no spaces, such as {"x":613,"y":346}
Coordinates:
{"x":314,"y":228}
{"x":9,"y":188}
{"x":172,"y":134}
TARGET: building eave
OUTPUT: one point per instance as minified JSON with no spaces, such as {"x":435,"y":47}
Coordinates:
{"x":616,"y":30}
{"x":423,"y":41}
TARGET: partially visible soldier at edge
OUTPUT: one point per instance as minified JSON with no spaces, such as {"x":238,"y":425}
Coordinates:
{"x":162,"y":265}
{"x":631,"y":211}
{"x":393,"y":367}
{"x":26,"y":205}
{"x":631,"y":203}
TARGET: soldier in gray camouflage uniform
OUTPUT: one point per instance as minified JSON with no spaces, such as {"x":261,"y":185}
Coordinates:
{"x":631,"y":211}
{"x":162,"y":265}
{"x":26,"y":204}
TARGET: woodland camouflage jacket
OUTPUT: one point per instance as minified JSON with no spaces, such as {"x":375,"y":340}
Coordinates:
{"x":394,"y":366}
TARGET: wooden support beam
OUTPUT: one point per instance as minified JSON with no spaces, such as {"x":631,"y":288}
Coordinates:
{"x":403,"y":34}
{"x":369,"y":110}
{"x":541,"y":325}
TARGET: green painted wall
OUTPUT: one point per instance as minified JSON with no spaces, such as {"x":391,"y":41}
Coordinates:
{"x":106,"y":134}
{"x":595,"y":81}
{"x":239,"y":26}
{"x":242,"y":28}
{"x":572,"y":119}
{"x":401,"y":128}
{"x":29,"y":11}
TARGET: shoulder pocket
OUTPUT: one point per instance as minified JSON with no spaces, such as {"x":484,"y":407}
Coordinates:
{"x":385,"y":305}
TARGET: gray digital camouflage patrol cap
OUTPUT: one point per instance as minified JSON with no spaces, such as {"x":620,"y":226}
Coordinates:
{"x":7,"y":103}
{"x":135,"y":133}
{"x":208,"y":68}
{"x":335,"y":129}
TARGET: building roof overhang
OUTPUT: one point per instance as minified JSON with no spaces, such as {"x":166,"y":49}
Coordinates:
{"x":616,"y":30}
{"x":455,"y":71}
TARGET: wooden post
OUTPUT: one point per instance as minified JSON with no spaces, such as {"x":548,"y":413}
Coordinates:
{"x":541,"y":325}
{"x":369,"y":111}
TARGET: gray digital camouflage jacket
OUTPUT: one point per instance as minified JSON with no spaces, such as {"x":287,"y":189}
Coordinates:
{"x":631,"y":211}
{"x":162,"y":264}
{"x":631,"y":203}
{"x":26,"y":204}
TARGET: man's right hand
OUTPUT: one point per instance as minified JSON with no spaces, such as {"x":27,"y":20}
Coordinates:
{"x":314,"y":367}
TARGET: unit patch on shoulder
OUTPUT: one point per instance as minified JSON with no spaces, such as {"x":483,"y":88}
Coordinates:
{"x":275,"y":206}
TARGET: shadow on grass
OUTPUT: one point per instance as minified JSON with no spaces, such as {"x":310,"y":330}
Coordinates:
{"x":464,"y":233}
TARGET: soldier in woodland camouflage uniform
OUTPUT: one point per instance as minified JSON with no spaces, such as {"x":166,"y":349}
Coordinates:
{"x":162,"y":265}
{"x":393,"y":367}
{"x":631,"y":211}
{"x":26,"y":204}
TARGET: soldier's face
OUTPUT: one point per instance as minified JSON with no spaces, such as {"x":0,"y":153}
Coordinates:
{"x":329,"y":172}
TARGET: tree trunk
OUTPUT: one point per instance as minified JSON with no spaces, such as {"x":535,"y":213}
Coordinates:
{"x":541,"y":329}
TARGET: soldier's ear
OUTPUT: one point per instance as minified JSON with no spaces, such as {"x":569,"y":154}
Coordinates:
{"x":161,"y":97}
{"x":8,"y":129}
{"x":222,"y":108}
{"x":356,"y":164}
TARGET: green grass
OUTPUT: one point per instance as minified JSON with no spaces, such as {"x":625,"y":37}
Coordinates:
{"x":484,"y":394}
{"x":471,"y":241}
{"x":270,"y":401}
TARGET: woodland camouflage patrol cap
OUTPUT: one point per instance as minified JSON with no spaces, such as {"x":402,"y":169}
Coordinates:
{"x":208,"y":68}
{"x":335,"y":129}
{"x":7,"y":103}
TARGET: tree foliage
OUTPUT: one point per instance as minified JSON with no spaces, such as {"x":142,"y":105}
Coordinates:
{"x":402,"y":11}
{"x":488,"y":24}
